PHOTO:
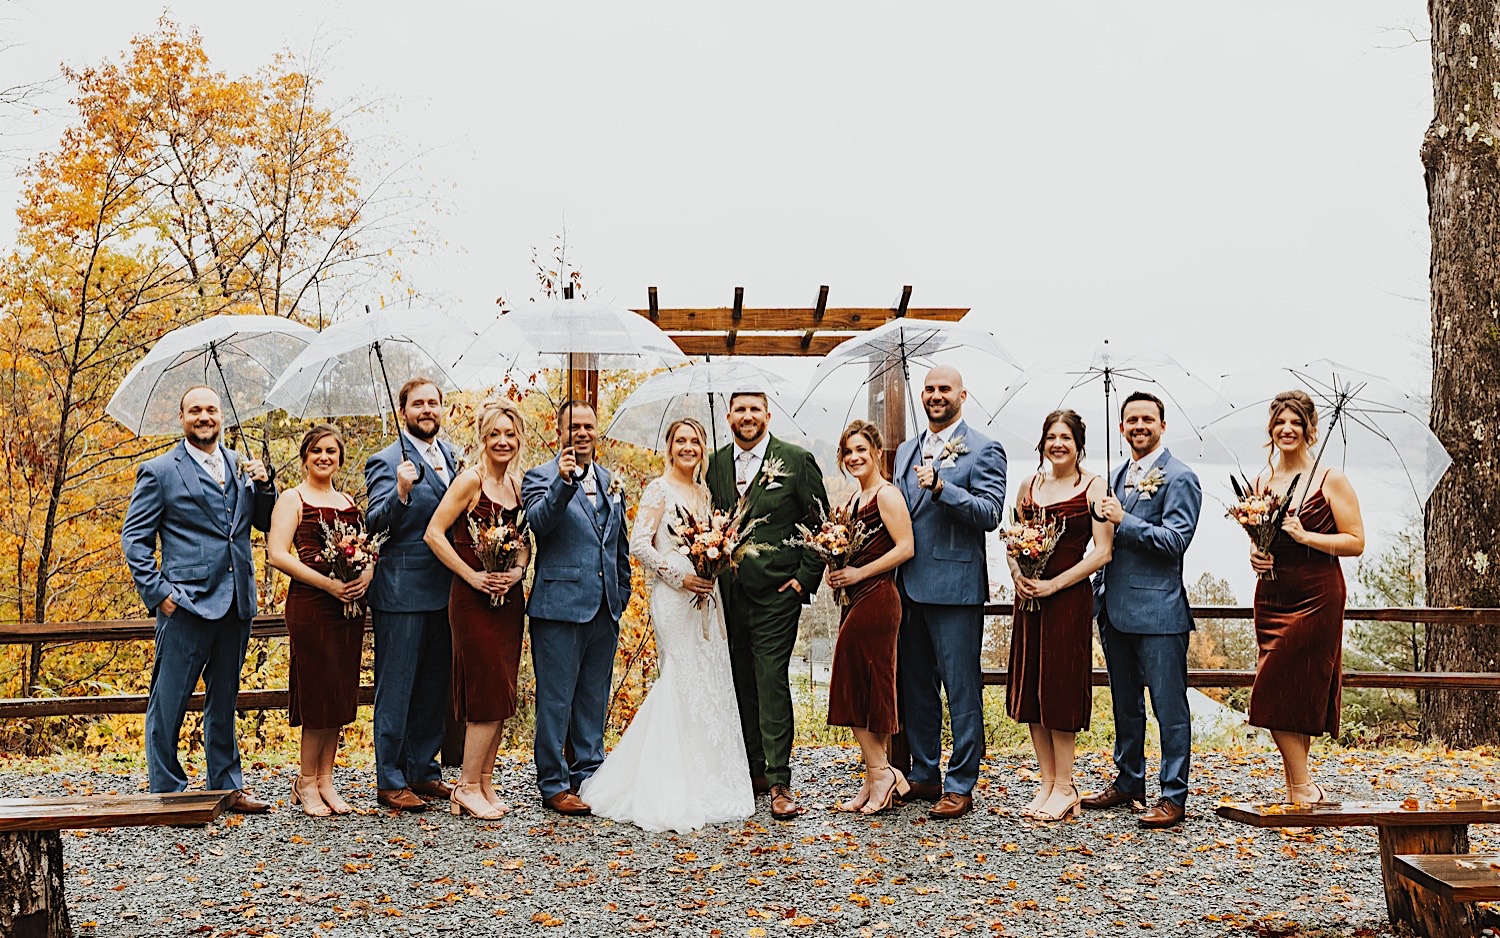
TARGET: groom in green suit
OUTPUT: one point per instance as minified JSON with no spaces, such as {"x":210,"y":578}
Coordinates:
{"x":764,"y":597}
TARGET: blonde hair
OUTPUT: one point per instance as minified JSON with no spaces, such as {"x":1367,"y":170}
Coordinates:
{"x":702,"y":442}
{"x":491,"y":411}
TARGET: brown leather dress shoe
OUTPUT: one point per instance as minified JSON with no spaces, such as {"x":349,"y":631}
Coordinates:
{"x":758,"y":785}
{"x":565,"y":802}
{"x":400,"y":799}
{"x":241,"y":802}
{"x":951,"y":805}
{"x":925,"y":791}
{"x":1113,"y":797}
{"x":1162,"y":814}
{"x":437,"y":788}
{"x":783,"y":806}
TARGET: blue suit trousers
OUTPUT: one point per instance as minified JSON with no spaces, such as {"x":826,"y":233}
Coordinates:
{"x":413,"y":660}
{"x":188,"y":647}
{"x":1135,"y":663}
{"x":574,"y":664}
{"x":938,"y":649}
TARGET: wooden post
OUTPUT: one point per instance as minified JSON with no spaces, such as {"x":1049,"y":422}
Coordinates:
{"x":887,"y":410}
{"x":33,"y":903}
{"x":1407,"y":902}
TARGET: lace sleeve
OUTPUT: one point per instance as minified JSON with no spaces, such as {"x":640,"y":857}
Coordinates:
{"x":649,"y":517}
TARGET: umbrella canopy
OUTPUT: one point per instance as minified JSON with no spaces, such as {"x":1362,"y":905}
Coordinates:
{"x":353,"y":368}
{"x":607,"y":337}
{"x":1365,"y":423}
{"x":901,"y":344}
{"x":700,"y":391}
{"x":240,"y":357}
{"x":1096,"y":385}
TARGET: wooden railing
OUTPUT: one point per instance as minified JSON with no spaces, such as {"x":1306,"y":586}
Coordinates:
{"x":274,"y":626}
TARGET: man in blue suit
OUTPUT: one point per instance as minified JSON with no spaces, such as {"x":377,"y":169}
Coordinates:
{"x":1143,"y":613}
{"x":582,"y":583}
{"x":199,"y":501}
{"x":409,"y":604}
{"x":954,"y":482}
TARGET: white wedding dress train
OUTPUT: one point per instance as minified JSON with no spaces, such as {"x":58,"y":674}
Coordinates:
{"x":681,"y":763}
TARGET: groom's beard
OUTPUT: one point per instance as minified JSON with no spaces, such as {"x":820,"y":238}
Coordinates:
{"x":749,"y":436}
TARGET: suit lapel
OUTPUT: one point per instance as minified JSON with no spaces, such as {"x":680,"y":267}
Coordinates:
{"x":431,"y":475}
{"x":755,"y":488}
{"x":601,"y":487}
{"x":187,"y":468}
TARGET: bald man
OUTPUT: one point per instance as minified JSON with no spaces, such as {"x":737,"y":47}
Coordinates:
{"x":954,"y":482}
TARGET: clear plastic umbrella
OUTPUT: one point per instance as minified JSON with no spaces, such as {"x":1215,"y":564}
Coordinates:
{"x":1110,"y":374}
{"x":349,"y":367}
{"x":240,"y":357}
{"x":700,"y":391}
{"x":1364,"y":422}
{"x":902,"y":343}
{"x":592,"y":335}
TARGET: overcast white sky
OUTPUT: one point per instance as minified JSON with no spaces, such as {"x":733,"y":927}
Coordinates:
{"x":1235,"y":183}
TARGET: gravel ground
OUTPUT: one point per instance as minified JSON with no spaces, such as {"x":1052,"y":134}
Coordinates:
{"x":991,"y":873}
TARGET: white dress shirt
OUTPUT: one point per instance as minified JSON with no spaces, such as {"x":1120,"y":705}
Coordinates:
{"x":431,"y":452}
{"x":1139,"y":468}
{"x":590,"y":485}
{"x":747,"y":463}
{"x":933,"y":443}
{"x":209,"y":461}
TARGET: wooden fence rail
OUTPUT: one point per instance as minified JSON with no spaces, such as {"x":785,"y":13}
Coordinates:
{"x":274,"y":626}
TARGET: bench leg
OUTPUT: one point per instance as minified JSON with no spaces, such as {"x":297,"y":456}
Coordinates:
{"x":32,"y":901}
{"x":1407,"y":903}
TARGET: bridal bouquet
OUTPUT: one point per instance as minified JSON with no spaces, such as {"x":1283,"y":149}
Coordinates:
{"x":838,"y":536}
{"x":1260,"y":512}
{"x":714,"y":543}
{"x":497,"y":545}
{"x":1030,"y":542}
{"x":350,"y":550}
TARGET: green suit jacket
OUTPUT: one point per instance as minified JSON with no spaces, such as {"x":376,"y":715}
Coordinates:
{"x":783,"y":502}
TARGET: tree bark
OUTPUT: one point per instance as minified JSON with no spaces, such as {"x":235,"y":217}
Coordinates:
{"x":32,"y":899}
{"x":1461,"y":161}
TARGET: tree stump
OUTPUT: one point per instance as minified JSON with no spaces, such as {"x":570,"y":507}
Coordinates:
{"x":33,"y":903}
{"x":1411,"y":905}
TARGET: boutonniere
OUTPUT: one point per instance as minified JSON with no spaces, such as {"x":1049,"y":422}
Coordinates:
{"x":1151,"y":483}
{"x":953,"y":449}
{"x":616,"y":488}
{"x":772,"y":470}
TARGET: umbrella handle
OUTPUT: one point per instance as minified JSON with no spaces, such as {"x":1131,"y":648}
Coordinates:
{"x":421,"y":464}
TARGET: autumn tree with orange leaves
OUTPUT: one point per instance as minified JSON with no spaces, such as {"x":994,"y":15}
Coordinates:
{"x":178,"y":193}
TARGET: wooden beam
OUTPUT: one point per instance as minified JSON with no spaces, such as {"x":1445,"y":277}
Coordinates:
{"x":790,"y":319}
{"x":822,"y":304}
{"x":651,"y":301}
{"x":756,"y":344}
{"x":904,"y":301}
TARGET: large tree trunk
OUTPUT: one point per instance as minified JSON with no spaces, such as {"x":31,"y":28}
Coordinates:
{"x":1461,"y":158}
{"x":32,"y":902}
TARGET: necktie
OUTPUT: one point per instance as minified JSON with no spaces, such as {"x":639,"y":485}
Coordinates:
{"x":215,"y":465}
{"x":742,"y":470}
{"x":589,"y":488}
{"x":930,"y":447}
{"x":435,"y":459}
{"x":1133,"y":476}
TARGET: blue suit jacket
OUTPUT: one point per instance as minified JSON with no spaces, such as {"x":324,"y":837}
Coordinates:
{"x":409,"y":577}
{"x":206,"y":563}
{"x":949,"y":565}
{"x":582,"y":559}
{"x":1141,"y":590}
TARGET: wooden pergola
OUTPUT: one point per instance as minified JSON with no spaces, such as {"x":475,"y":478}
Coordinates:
{"x":811,"y":331}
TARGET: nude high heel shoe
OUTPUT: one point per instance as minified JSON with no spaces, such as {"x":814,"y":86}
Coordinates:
{"x":469,"y":799}
{"x":305,"y":793}
{"x":331,"y":797}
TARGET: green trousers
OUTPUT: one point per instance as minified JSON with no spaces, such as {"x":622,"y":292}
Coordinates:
{"x":761,"y":636}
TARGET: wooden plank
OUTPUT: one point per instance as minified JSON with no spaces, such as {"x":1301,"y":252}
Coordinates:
{"x":1407,"y":904}
{"x":1396,"y":680}
{"x":88,"y":811}
{"x":1361,"y":814}
{"x":790,"y":318}
{"x":30,"y":707}
{"x":1469,"y":877}
{"x":755,"y":343}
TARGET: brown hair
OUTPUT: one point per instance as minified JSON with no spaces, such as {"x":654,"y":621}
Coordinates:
{"x":1161,"y":409}
{"x":1301,"y":405}
{"x":1075,"y":425}
{"x":871,"y":433}
{"x":571,"y":404}
{"x":411,"y":385}
{"x":182,"y":401}
{"x":318,"y":433}
{"x":491,"y":411}
{"x":760,"y":394}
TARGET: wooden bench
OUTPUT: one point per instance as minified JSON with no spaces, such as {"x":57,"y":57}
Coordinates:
{"x":1405,"y":829}
{"x":33,"y":900}
{"x":1455,"y":880}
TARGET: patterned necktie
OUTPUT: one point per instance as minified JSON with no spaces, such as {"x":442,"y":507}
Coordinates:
{"x":436,"y":461}
{"x":215,"y":465}
{"x":742,"y":470}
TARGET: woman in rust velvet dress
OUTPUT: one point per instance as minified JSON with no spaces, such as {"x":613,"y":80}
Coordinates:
{"x":1052,"y":648}
{"x":1299,"y":615}
{"x":325,"y":643}
{"x":862,"y":688}
{"x":486,"y":636}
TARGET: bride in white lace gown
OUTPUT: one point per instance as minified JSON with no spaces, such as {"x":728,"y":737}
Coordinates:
{"x":681,"y":763}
